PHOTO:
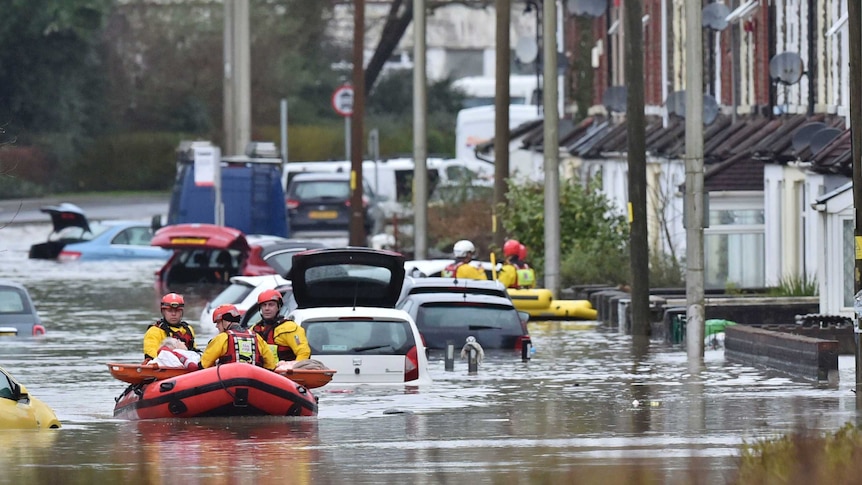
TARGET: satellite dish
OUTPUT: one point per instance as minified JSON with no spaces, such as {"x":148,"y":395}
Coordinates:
{"x":710,"y":108}
{"x":715,"y":16}
{"x":615,"y":98}
{"x":802,"y":137}
{"x":588,"y":8}
{"x":822,"y":138}
{"x":676,"y":105}
{"x":786,"y":68}
{"x":526,"y":49}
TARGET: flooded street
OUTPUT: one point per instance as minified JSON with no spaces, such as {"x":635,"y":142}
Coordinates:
{"x":588,"y":408}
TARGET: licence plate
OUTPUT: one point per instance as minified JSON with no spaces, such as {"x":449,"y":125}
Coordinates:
{"x":322,"y":214}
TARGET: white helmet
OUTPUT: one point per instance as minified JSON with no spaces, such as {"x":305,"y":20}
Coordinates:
{"x":463,"y":247}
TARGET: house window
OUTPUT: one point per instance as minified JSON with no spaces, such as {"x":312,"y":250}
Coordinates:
{"x":734,"y":246}
{"x":849,"y":262}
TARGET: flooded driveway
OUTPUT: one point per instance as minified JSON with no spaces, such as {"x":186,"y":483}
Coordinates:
{"x":590,"y":407}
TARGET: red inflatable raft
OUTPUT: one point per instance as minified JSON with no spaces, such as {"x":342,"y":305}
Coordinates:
{"x":225,"y":390}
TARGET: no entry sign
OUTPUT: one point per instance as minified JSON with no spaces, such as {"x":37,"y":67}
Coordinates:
{"x":342,"y":100}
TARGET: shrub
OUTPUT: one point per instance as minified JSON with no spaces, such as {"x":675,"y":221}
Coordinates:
{"x":593,"y":239}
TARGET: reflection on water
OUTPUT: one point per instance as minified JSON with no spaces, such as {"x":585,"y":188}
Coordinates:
{"x":591,"y":406}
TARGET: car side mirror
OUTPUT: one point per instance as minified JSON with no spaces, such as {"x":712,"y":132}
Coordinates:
{"x":525,"y":317}
{"x":19,"y":393}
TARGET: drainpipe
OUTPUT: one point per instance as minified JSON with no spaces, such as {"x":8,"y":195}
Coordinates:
{"x":812,"y":65}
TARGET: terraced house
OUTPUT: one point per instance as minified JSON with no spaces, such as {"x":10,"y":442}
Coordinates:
{"x":776,"y":135}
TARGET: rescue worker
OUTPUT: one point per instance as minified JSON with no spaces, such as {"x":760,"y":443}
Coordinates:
{"x":526,"y":274}
{"x":461,"y":268}
{"x":234,"y":343}
{"x":286,"y":338}
{"x":508,"y":273}
{"x":170,"y":325}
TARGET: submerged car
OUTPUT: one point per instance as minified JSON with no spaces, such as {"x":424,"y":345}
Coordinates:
{"x":345,"y":299}
{"x":18,"y":315}
{"x":115,"y":240}
{"x":243,"y":292}
{"x":450,"y":310}
{"x":208,"y":254}
{"x":20,"y":410}
{"x":70,"y":225}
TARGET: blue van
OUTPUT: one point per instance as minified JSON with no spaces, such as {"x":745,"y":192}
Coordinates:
{"x":252,"y":193}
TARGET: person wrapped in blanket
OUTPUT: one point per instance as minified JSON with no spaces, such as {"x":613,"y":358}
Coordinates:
{"x":174,"y":354}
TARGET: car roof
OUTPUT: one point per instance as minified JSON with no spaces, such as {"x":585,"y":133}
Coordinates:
{"x":297,"y":244}
{"x":473,"y":299}
{"x":433,"y":267}
{"x":456,"y":286}
{"x":304,"y":176}
{"x":322,"y":277}
{"x":13,"y":284}
{"x":306,"y":314}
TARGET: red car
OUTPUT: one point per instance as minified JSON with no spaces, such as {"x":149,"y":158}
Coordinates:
{"x":209,"y":254}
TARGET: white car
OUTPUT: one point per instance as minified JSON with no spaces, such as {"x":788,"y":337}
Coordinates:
{"x":422,"y":268}
{"x":345,"y":300}
{"x":242,"y":293}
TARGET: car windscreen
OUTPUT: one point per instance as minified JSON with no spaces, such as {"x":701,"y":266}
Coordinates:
{"x":75,"y":233}
{"x":472,"y":316}
{"x":359,"y":337}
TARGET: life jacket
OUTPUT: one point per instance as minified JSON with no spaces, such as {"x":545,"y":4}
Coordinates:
{"x":451,"y":271}
{"x":185,"y":337}
{"x":525,"y":276}
{"x":242,"y":347}
{"x":283,"y":352}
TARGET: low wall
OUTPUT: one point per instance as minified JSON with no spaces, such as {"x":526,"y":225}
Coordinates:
{"x":807,"y":357}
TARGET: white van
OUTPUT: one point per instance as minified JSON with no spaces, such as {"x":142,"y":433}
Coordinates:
{"x":392,"y":179}
{"x":480,"y":90}
{"x":474,"y":126}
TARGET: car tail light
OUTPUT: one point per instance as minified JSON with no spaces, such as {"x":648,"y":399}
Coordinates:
{"x":520,"y":341}
{"x":411,"y":365}
{"x":66,"y":256}
{"x":291,"y":203}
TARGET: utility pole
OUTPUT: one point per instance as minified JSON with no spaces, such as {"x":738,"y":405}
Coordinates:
{"x":636,"y":125}
{"x":552,"y":148}
{"x":237,"y":78}
{"x":420,"y":134}
{"x":501,"y":115}
{"x":854,"y":24}
{"x":357,"y":213}
{"x":694,"y":200}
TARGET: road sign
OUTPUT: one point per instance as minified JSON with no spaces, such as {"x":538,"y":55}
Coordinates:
{"x":342,"y":100}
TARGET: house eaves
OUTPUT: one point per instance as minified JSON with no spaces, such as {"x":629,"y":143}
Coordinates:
{"x":819,"y":203}
{"x":836,"y":157}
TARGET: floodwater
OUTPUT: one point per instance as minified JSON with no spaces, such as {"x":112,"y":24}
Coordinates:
{"x":567,"y":416}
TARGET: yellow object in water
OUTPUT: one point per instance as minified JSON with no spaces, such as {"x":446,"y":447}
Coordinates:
{"x":540,"y":303}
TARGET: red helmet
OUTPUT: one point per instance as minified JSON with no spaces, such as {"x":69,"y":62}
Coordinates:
{"x":226,"y":312}
{"x":270,"y":295}
{"x":173,"y":300}
{"x":522,"y":253}
{"x":511,"y":248}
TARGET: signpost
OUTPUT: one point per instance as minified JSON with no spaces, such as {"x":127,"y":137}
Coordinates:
{"x":342,"y":103}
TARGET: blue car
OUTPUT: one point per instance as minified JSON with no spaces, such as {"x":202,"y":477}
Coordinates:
{"x":115,"y":240}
